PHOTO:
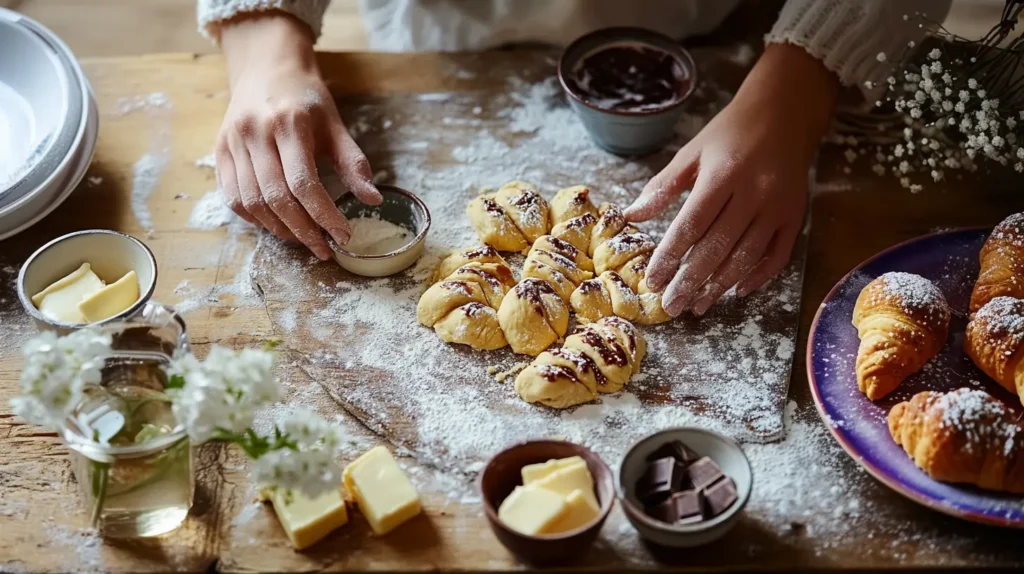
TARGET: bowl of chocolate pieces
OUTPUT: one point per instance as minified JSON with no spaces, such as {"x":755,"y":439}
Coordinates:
{"x":684,"y":487}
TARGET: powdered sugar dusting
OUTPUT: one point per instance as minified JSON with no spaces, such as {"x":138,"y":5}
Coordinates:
{"x":983,"y":421}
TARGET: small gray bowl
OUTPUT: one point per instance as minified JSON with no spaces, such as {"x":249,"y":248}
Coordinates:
{"x":399,"y":207}
{"x":624,"y":132}
{"x":723,"y":450}
{"x":111,"y":255}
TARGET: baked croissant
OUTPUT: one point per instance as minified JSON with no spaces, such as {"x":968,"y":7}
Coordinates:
{"x":1002,"y":263}
{"x":510,"y":219}
{"x":463,"y":307}
{"x":902,"y":320}
{"x":964,"y":436}
{"x":995,"y":342}
{"x":599,"y":358}
{"x":533,"y":316}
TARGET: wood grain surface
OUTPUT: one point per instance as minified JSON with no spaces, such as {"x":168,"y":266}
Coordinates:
{"x":43,"y":525}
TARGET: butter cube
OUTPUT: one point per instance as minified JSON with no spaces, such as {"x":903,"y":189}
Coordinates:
{"x":571,"y":478}
{"x":535,"y":472}
{"x":306,"y":521}
{"x":532,"y":510}
{"x":383,"y":492}
{"x":580,"y":511}
{"x":111,"y":300}
{"x":60,"y":300}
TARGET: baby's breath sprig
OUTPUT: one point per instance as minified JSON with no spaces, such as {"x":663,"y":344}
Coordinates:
{"x":957,"y":104}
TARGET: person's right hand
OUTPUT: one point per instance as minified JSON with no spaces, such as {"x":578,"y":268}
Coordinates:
{"x":281,"y":117}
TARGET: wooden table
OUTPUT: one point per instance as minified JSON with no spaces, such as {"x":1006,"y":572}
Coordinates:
{"x":40,"y":517}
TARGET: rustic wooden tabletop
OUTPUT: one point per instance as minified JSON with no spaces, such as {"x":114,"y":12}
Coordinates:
{"x":837,"y":518}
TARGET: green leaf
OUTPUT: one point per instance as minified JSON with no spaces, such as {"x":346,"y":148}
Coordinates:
{"x":175,"y":382}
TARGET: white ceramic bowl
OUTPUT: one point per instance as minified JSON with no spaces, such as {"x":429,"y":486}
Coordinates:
{"x":111,"y":255}
{"x":48,"y":122}
{"x":723,"y":450}
{"x":399,"y":207}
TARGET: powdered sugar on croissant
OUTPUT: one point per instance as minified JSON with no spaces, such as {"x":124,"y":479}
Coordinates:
{"x":964,"y":436}
{"x":1002,"y":263}
{"x":995,"y":342}
{"x":903,"y":321}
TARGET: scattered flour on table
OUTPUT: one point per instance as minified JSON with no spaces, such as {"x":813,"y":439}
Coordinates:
{"x":208,"y":161}
{"x":128,"y":104}
{"x":211,"y":212}
{"x":146,"y":175}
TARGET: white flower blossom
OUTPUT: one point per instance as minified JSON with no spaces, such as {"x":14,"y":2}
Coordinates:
{"x":1018,"y":166}
{"x":916,"y":188}
{"x":905,"y":181}
{"x":915,"y":113}
{"x":935,"y":54}
{"x":850,"y":155}
{"x":309,"y":462}
{"x":224,"y":391}
{"x":982,"y":93}
{"x":311,"y":472}
{"x":880,"y":57}
{"x":964,"y":95}
{"x":972,"y":83}
{"x":56,"y":371}
{"x":879,"y":169}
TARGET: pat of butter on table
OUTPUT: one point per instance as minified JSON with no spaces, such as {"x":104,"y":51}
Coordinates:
{"x":305,"y":520}
{"x":383,"y":492}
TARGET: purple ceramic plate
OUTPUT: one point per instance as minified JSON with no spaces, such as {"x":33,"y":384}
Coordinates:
{"x":950,"y":260}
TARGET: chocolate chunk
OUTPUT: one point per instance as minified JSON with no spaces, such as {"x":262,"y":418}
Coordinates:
{"x":720,"y":496}
{"x":663,"y":477}
{"x":675,"y":449}
{"x":686,"y":507}
{"x":702,"y":473}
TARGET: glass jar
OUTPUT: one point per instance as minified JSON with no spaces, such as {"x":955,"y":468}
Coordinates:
{"x":133,"y":463}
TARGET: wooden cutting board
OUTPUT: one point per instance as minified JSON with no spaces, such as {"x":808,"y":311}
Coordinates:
{"x":359,"y":337}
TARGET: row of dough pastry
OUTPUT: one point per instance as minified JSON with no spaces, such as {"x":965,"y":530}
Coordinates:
{"x":473,"y":302}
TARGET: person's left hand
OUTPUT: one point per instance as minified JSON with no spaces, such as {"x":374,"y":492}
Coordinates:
{"x":748,"y":170}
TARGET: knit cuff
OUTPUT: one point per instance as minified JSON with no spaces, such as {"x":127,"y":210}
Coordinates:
{"x":848,"y":35}
{"x":212,"y":12}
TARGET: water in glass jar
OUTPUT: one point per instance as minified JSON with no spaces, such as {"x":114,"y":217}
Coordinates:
{"x":133,"y":465}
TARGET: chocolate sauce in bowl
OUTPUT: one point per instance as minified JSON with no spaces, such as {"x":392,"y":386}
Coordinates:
{"x":629,"y":77}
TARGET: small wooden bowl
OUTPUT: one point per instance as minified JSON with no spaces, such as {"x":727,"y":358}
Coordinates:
{"x":502,"y":475}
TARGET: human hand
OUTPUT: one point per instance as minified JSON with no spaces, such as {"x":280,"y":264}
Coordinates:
{"x":280,"y":117}
{"x":748,"y":171}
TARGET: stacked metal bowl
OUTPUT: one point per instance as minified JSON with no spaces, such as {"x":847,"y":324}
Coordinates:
{"x":48,"y":122}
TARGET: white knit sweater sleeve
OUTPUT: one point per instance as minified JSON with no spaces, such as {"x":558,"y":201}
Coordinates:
{"x":848,"y":35}
{"x":212,"y":12}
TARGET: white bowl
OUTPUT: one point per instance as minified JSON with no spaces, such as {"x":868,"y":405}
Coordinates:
{"x":723,"y":450}
{"x":399,"y":207}
{"x":48,"y":122}
{"x":111,"y":255}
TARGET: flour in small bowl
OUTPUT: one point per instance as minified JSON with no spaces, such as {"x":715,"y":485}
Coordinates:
{"x":376,"y":236}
